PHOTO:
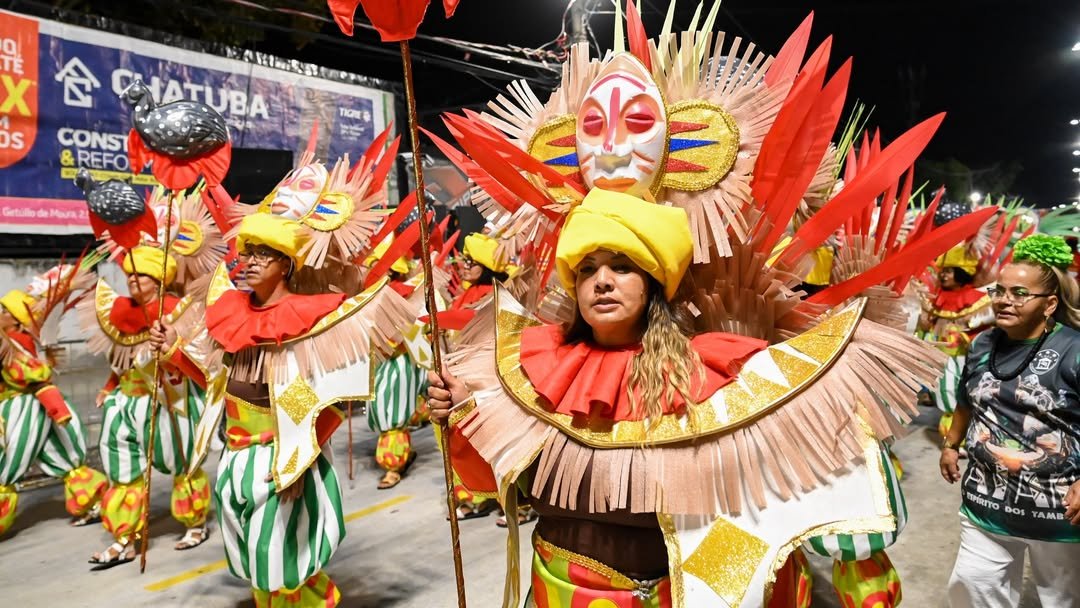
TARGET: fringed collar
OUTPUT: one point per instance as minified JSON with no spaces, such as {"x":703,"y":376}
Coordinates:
{"x":472,"y":296}
{"x":236,"y":323}
{"x":585,"y":380}
{"x":131,"y":318}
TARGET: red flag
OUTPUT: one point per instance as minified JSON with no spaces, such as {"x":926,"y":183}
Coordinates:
{"x":395,"y":20}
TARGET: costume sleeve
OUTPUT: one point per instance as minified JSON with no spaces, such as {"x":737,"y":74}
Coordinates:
{"x":111,"y":383}
{"x":182,"y":363}
{"x":473,"y":472}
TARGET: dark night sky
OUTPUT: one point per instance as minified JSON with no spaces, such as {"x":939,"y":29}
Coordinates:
{"x":1003,"y":70}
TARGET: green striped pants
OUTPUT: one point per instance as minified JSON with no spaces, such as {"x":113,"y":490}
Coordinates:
{"x":398,"y":384}
{"x":945,"y":393}
{"x":852,"y":547}
{"x":276,"y":545}
{"x":30,"y":436}
{"x":126,"y":427}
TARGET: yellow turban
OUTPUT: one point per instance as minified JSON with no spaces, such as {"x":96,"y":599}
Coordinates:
{"x":823,"y":264}
{"x":18,"y":303}
{"x":481,"y":249}
{"x":958,"y":257}
{"x":400,"y":265}
{"x":147,"y":260}
{"x":272,"y":231}
{"x":655,"y":237}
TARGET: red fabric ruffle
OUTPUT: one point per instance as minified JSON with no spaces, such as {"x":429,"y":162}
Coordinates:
{"x":955,"y":300}
{"x":584,"y":380}
{"x":236,"y":323}
{"x":472,"y":295}
{"x":403,"y":289}
{"x":131,"y":318}
{"x":24,"y":340}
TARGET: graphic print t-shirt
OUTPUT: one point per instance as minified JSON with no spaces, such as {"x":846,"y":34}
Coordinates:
{"x":1024,"y":438}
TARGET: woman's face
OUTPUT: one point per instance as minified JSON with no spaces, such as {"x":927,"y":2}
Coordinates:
{"x":143,"y":288}
{"x":948,"y":279}
{"x":471,"y":271}
{"x":1023,"y":303}
{"x":7,"y":320}
{"x":612,"y":294}
{"x":266,"y":267}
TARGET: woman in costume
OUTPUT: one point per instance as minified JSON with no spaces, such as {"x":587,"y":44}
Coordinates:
{"x":120,"y":327}
{"x":293,"y":347}
{"x":1019,"y":412}
{"x":620,"y":466}
{"x":38,"y":425}
{"x":955,"y":316}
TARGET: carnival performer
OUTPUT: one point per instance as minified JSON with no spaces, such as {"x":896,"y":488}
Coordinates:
{"x":1019,"y":410}
{"x":400,"y":382}
{"x":637,"y":438}
{"x":121,"y":327}
{"x":957,"y":313}
{"x":302,"y":337}
{"x":38,"y":425}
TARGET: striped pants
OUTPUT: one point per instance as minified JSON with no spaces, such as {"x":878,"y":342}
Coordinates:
{"x":29,"y":436}
{"x":861,"y":568}
{"x":281,"y":547}
{"x":399,"y":383}
{"x":124,"y":437}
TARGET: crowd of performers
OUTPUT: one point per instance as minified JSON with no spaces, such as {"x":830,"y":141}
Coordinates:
{"x":683,"y":344}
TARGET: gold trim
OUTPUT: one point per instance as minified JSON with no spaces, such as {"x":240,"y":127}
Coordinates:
{"x":675,"y":561}
{"x":460,"y":412}
{"x":720,"y":163}
{"x":617,"y":579}
{"x":747,"y":399}
{"x":104,"y":299}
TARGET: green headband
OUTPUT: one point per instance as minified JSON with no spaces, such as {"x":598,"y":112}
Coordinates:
{"x":1047,"y":250}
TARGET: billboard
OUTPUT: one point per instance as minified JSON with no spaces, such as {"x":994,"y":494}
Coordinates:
{"x":60,"y":110}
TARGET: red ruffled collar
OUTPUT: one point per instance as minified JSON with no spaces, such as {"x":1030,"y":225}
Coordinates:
{"x":236,"y":323}
{"x":472,"y":295}
{"x":23,"y":339}
{"x":585,"y":380}
{"x":956,"y":300}
{"x":131,"y":318}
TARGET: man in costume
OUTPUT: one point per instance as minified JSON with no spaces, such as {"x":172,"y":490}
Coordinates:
{"x":37,"y":426}
{"x":292,"y":349}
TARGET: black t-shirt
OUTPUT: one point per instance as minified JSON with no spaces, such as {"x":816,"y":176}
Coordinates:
{"x":1024,"y":438}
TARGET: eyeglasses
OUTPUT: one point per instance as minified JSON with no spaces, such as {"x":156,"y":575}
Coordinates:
{"x":261,"y":256}
{"x":1016,"y":295}
{"x":468,"y":263}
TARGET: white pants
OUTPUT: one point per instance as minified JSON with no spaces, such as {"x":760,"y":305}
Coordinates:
{"x":989,"y":571}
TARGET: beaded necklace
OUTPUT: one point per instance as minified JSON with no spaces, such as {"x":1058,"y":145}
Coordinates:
{"x":1027,"y":360}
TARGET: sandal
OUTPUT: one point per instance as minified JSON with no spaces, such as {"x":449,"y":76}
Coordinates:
{"x":468,"y":510}
{"x":116,"y":554}
{"x":392,"y":478}
{"x":92,"y":516}
{"x":525,"y":515}
{"x":193,"y":537}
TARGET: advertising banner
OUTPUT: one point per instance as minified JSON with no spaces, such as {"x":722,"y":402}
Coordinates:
{"x":60,"y":110}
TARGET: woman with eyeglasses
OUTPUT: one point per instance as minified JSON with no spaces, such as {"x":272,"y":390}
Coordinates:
{"x":289,"y":358}
{"x":1019,"y":409}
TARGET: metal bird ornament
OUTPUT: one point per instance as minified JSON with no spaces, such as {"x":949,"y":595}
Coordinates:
{"x":115,"y":206}
{"x":182,"y":139}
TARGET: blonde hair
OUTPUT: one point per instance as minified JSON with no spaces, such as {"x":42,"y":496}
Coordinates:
{"x":1064,"y":286}
{"x":666,"y":363}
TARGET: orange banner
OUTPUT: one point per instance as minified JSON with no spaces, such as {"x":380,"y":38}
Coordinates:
{"x":18,"y":87}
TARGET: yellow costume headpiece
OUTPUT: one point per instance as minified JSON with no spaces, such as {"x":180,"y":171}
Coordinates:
{"x":18,"y":303}
{"x":655,"y":237}
{"x":400,"y":265}
{"x":272,"y":231}
{"x":482,"y":249}
{"x":958,"y":257}
{"x":147,"y":260}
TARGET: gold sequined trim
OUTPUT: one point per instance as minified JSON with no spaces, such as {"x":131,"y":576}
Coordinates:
{"x":980,"y":304}
{"x":618,"y":579}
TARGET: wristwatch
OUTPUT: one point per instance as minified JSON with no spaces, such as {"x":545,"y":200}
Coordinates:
{"x":949,"y":445}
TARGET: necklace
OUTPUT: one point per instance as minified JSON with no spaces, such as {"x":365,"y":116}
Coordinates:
{"x":1027,"y":360}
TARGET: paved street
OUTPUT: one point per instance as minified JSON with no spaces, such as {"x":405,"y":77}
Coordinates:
{"x":397,"y":550}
